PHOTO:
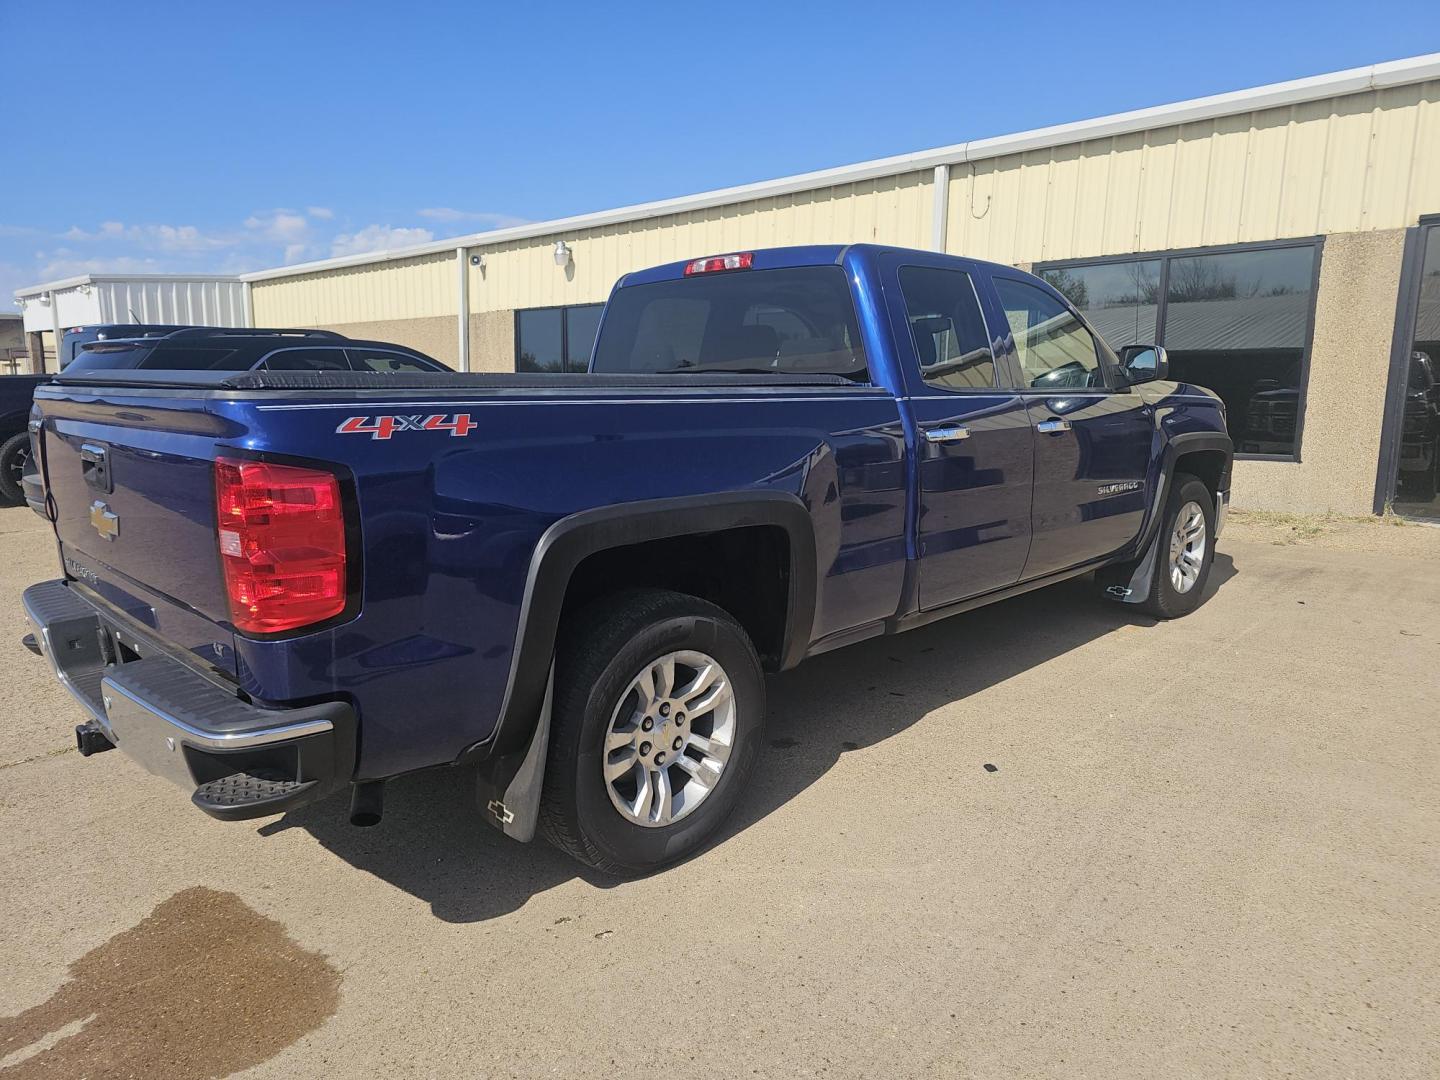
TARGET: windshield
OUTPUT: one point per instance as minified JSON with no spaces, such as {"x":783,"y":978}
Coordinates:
{"x":799,"y":320}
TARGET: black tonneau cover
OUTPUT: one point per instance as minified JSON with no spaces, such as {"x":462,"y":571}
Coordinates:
{"x":139,"y":378}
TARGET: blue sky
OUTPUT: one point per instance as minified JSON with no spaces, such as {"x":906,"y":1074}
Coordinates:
{"x":182,"y":137}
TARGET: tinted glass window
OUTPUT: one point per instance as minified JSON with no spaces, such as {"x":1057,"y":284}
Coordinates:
{"x":1237,"y":323}
{"x":108,"y":357}
{"x":1052,"y":346}
{"x":540,"y":340}
{"x":306,"y":360}
{"x":1121,"y":301}
{"x":385,"y":360}
{"x":799,"y":320}
{"x":948,"y":329}
{"x":192,"y":359}
{"x":581,"y":323}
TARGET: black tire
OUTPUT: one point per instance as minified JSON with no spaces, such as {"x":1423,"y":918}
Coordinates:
{"x":601,"y":650}
{"x":1165,"y":600}
{"x":14,"y":453}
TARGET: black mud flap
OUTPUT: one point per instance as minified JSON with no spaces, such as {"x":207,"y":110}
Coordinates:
{"x":1135,"y":589}
{"x":507,"y":787}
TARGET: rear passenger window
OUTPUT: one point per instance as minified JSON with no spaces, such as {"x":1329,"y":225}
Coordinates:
{"x":948,"y":329}
{"x":384,"y":360}
{"x":306,"y":360}
{"x":1054,"y":348}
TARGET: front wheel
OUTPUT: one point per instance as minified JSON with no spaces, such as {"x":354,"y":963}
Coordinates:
{"x":658,"y":715}
{"x":1186,"y":552}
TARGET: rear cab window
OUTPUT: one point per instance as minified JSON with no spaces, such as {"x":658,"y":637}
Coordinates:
{"x":795,"y":320}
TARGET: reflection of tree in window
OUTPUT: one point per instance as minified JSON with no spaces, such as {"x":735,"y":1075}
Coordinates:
{"x":1120,"y":300}
{"x":1237,"y":323}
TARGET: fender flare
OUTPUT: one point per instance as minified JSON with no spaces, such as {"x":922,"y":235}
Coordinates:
{"x":1175,"y":447}
{"x":572,"y":539}
{"x":1137,"y":586}
{"x":511,"y":763}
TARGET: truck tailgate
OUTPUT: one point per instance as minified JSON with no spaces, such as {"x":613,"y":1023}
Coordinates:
{"x":133,"y":492}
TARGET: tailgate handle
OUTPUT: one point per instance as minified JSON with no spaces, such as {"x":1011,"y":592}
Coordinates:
{"x":95,"y":467}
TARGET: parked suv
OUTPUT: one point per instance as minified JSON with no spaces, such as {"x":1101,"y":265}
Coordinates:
{"x":226,"y":349}
{"x":190,"y":348}
{"x":77,"y":337}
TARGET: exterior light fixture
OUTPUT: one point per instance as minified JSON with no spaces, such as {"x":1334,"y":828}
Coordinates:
{"x":477,"y":260}
{"x":562,"y":253}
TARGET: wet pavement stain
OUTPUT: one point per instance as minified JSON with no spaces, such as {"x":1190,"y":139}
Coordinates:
{"x":202,"y":987}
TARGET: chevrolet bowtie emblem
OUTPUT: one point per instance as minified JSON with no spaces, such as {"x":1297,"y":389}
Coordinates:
{"x":106,"y":523}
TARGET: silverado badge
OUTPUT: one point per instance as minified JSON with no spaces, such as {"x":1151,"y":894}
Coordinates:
{"x":106,"y":522}
{"x":1116,"y":489}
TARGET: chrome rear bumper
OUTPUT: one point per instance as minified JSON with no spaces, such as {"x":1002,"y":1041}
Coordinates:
{"x":178,"y":723}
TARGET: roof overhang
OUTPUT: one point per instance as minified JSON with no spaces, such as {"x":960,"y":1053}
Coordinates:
{"x":101,"y":279}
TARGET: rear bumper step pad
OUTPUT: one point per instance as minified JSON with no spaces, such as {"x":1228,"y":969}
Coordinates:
{"x":238,"y":759}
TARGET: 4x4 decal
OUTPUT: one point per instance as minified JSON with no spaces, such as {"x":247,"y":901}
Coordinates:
{"x":383,"y":427}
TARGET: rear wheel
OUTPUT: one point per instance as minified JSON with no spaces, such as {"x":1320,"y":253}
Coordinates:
{"x":14,"y":456}
{"x":657,"y":720}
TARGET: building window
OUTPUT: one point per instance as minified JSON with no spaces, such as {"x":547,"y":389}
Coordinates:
{"x":557,"y":338}
{"x":1235,"y":320}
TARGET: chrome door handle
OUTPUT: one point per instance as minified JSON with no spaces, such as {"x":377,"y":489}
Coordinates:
{"x":1050,"y":427}
{"x":948,"y":433}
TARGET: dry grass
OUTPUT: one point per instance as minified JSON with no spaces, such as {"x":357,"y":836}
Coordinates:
{"x":1340,"y":531}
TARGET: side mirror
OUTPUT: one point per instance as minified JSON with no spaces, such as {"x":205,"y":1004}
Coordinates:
{"x":1144,"y":363}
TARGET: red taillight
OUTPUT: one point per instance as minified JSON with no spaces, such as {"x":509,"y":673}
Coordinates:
{"x":741,"y":261}
{"x":282,"y":544}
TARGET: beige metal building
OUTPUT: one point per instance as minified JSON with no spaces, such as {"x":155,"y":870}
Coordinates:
{"x":1260,"y":235}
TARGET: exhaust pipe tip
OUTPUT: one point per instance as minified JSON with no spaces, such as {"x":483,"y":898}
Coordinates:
{"x":367,"y":803}
{"x":90,"y":738}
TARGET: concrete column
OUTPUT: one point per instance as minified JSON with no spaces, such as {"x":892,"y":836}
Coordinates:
{"x":1345,"y":393}
{"x":492,"y":339}
{"x":35,"y":348}
{"x":940,"y":213}
{"x":462,"y":308}
{"x":55,"y":325}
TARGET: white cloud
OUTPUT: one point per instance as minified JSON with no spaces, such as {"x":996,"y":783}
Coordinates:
{"x":279,"y":226}
{"x":377,"y":238}
{"x":63,"y":263}
{"x":273,"y":237}
{"x":487,"y":218}
{"x":168,"y":238}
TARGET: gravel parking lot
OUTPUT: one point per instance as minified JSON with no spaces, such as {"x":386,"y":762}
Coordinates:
{"x":1048,"y":838}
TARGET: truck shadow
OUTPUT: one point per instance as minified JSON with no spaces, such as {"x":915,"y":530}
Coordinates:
{"x":433,"y":845}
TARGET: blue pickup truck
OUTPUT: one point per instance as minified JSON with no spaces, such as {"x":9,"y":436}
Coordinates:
{"x":278,"y":585}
